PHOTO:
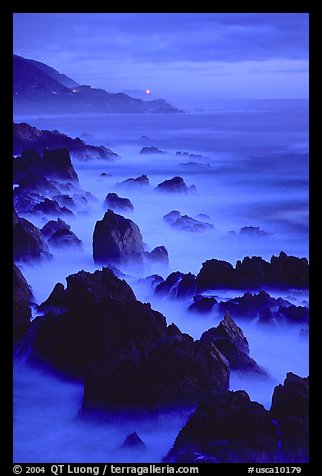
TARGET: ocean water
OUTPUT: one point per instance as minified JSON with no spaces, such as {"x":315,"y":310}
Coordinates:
{"x":252,"y":170}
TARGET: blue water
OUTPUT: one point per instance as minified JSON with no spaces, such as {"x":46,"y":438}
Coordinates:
{"x":253,"y":171}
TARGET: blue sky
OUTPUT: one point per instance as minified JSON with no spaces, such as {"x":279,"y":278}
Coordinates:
{"x":190,"y":59}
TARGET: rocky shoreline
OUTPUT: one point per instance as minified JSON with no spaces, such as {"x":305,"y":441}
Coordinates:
{"x":125,"y":353}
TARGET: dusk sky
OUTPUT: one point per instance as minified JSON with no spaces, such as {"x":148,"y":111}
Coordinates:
{"x":189,"y":59}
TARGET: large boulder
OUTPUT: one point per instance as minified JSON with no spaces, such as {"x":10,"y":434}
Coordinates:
{"x":227,"y":428}
{"x":95,"y":329}
{"x":117,"y":239}
{"x":21,"y":304}
{"x":115,"y":202}
{"x":28,"y":242}
{"x":290,"y":407}
{"x":230,"y":340}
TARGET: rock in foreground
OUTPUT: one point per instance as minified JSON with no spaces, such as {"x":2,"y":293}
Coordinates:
{"x":227,"y":428}
{"x":230,"y":428}
{"x":95,"y":329}
{"x":21,"y":304}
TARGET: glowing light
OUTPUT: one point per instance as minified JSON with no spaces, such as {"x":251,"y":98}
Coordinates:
{"x":147,"y":91}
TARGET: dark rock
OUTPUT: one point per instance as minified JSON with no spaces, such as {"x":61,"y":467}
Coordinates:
{"x":133,"y":441}
{"x":193,"y":189}
{"x":159,"y":255}
{"x":292,"y":398}
{"x":97,"y":330}
{"x":54,"y":225}
{"x":154,"y":280}
{"x":227,"y":330}
{"x":176,"y":185}
{"x":252,"y":231}
{"x":104,"y":174}
{"x":117,"y":239}
{"x":290,"y":407}
{"x":28,"y":242}
{"x":268,"y":316}
{"x":21,"y":304}
{"x":177,"y":285}
{"x":232,"y":343}
{"x":171,"y":217}
{"x":281,"y":272}
{"x":137,"y":182}
{"x":63,"y":238}
{"x":186,"y":223}
{"x":289,"y":271}
{"x":295,"y":313}
{"x":175,"y":370}
{"x":215,"y":274}
{"x":202,"y":304}
{"x":260,"y":305}
{"x":52,"y":164}
{"x":151,"y":150}
{"x":64,"y":200}
{"x":115,"y":202}
{"x":28,"y":137}
{"x":51,"y":207}
{"x":252,"y":272}
{"x":227,"y":428}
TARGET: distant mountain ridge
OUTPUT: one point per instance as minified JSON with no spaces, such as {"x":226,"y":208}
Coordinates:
{"x":40,"y":89}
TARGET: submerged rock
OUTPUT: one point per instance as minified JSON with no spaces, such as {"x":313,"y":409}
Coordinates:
{"x":151,"y":150}
{"x":186,"y":223}
{"x":158,"y":255}
{"x":133,"y":441}
{"x":137,"y":182}
{"x":115,"y":202}
{"x":117,"y":239}
{"x":252,"y":231}
{"x":175,"y":184}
